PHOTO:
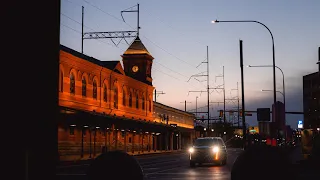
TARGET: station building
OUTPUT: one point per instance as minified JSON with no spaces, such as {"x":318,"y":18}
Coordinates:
{"x":104,"y":106}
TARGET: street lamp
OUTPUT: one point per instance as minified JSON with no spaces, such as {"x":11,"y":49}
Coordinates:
{"x":273,"y":54}
{"x":283,"y":86}
{"x":264,"y":90}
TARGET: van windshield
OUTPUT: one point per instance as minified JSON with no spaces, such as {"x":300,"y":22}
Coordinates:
{"x":207,"y":142}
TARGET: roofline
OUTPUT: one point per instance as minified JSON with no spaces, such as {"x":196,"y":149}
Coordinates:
{"x":311,"y":74}
{"x":137,"y":55}
{"x":184,"y":112}
{"x":85,"y":57}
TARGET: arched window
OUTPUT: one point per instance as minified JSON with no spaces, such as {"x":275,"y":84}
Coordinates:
{"x":84,"y":87}
{"x":143,"y":102}
{"x":130,"y":99}
{"x":150,"y":106}
{"x":72,"y":84}
{"x":94,"y":95}
{"x":105,"y":94}
{"x":123,"y":97}
{"x":61,"y":81}
{"x":115,"y":97}
{"x":137,"y":101}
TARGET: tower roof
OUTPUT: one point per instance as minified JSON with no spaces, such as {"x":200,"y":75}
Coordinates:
{"x":136,"y":47}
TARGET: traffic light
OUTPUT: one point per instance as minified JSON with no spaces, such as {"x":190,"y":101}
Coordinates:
{"x":240,"y":112}
{"x":221,"y":113}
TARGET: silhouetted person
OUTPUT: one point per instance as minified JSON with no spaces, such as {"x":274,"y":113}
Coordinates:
{"x":316,"y":148}
{"x":115,"y":165}
{"x":262,"y":163}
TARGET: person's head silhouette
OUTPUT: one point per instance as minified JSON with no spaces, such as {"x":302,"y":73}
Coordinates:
{"x":262,"y":163}
{"x":115,"y":165}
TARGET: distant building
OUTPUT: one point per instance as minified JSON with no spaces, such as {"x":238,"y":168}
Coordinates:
{"x":289,"y":132}
{"x":278,"y":118}
{"x":311,"y":100}
{"x":176,"y":117}
{"x":264,"y":128}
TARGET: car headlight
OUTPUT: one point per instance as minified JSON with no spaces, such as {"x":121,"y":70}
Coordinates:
{"x":215,"y":149}
{"x":191,"y":150}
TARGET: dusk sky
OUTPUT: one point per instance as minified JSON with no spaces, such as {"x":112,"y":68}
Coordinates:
{"x":176,"y":33}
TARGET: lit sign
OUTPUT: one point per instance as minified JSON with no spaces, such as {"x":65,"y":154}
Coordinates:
{"x":300,"y":124}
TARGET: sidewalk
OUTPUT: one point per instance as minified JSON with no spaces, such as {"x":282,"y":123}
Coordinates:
{"x":154,"y":152}
{"x":87,"y":160}
{"x":296,"y":155}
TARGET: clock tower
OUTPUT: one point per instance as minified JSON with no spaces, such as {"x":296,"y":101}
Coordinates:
{"x":137,"y":62}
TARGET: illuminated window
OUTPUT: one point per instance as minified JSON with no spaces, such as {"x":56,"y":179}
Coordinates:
{"x":105,"y":95}
{"x":123,"y":97}
{"x":84,"y":87}
{"x":130,"y":99}
{"x":137,"y":101}
{"x":61,"y":81}
{"x":115,"y":97}
{"x":94,"y":89}
{"x":72,"y":84}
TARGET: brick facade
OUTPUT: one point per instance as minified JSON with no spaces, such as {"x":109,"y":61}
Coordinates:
{"x":103,"y":91}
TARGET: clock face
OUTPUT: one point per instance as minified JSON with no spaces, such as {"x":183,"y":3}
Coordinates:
{"x":135,"y":68}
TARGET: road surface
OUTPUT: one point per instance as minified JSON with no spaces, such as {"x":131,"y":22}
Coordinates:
{"x":162,"y":167}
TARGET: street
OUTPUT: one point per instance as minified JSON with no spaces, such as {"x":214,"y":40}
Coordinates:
{"x":163,"y":166}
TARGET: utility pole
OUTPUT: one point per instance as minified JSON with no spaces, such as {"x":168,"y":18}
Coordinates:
{"x":157,"y":94}
{"x":185,"y":105}
{"x":238,"y":99}
{"x":238,"y":106}
{"x":208,"y":86}
{"x":137,"y":11}
{"x":196,"y":107}
{"x":122,"y":35}
{"x":82,"y":29}
{"x":242,"y":98}
{"x":224,"y":95}
{"x":218,"y":105}
{"x":138,"y":28}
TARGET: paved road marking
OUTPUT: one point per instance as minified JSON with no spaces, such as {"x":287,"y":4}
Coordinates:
{"x":157,"y":163}
{"x":163,"y":170}
{"x":144,"y":169}
{"x":70,"y":166}
{"x":71,"y":174}
{"x":190,"y":173}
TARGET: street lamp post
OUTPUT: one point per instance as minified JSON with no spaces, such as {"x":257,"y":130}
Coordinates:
{"x":273,"y":54}
{"x":283,"y":86}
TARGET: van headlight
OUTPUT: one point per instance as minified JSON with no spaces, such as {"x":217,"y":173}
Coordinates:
{"x":191,"y":150}
{"x":215,"y":149}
